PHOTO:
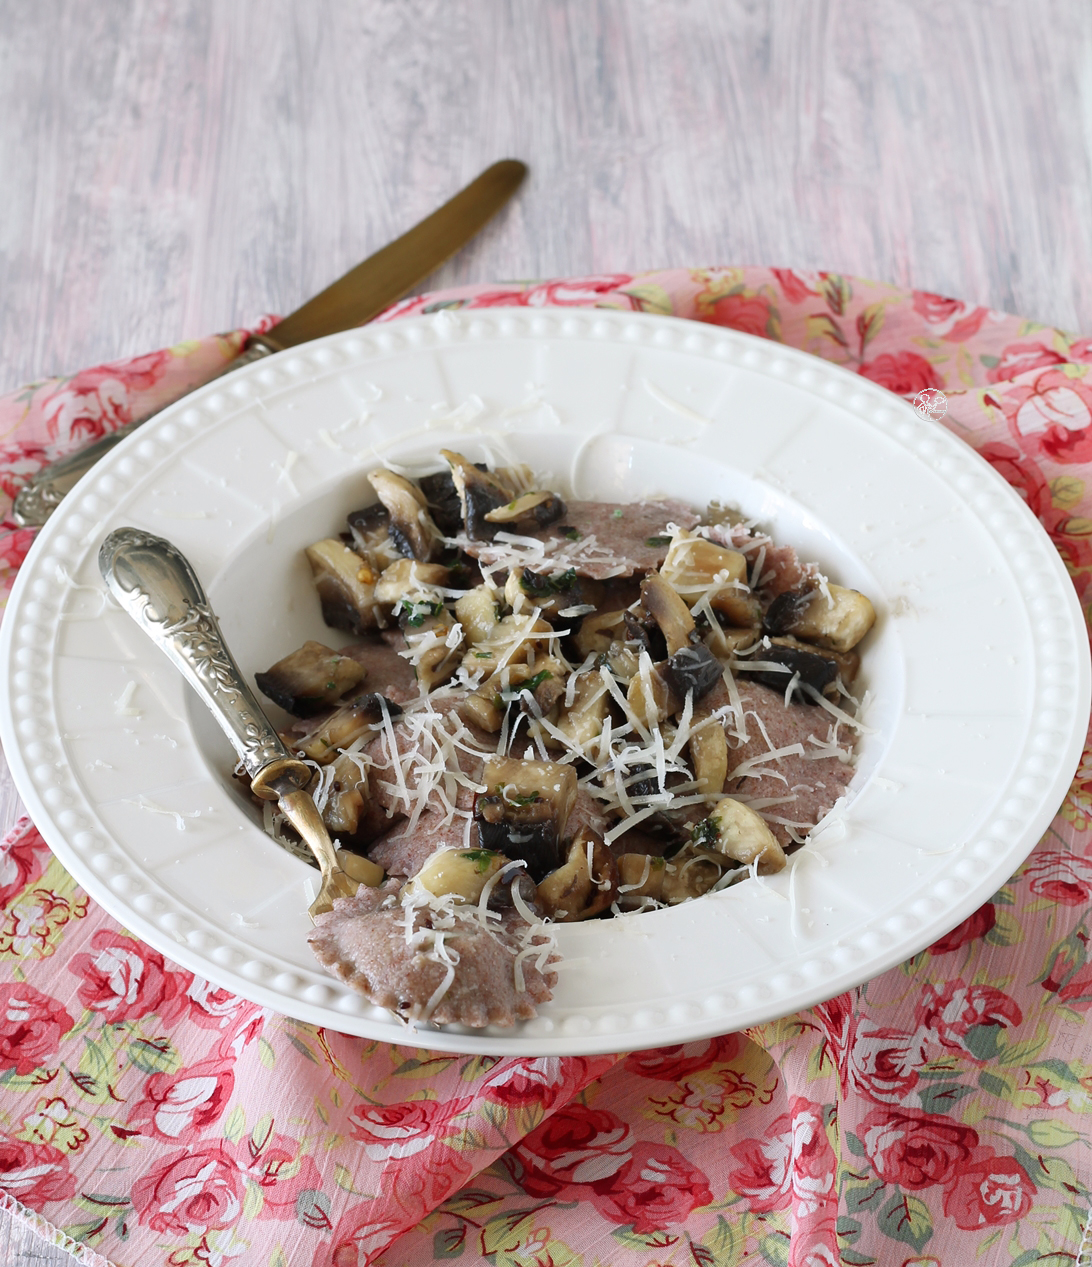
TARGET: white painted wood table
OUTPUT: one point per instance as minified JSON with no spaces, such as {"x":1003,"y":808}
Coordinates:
{"x":173,"y":167}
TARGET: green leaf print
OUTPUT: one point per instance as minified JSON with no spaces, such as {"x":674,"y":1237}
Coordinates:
{"x":449,"y":1242}
{"x":154,"y":1055}
{"x":864,"y":1196}
{"x":940,"y":1097}
{"x":906,"y":1219}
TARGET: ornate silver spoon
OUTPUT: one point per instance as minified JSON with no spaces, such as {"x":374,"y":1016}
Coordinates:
{"x":154,"y":582}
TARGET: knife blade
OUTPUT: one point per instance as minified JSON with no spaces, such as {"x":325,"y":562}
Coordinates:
{"x":357,"y":297}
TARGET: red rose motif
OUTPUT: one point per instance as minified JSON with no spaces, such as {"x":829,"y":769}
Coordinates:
{"x":97,"y":400}
{"x":527,"y":1080}
{"x":972,"y":928}
{"x":281,"y":1171}
{"x":573,"y":1147}
{"x":1077,"y":991}
{"x":31,"y":1027}
{"x":795,"y":1159}
{"x":793,"y":286}
{"x":880,"y":1063}
{"x":1069,"y":955}
{"x":989,"y":1191}
{"x":749,"y":315}
{"x":836,"y":1018}
{"x":656,"y":1188}
{"x":191,"y":1192}
{"x":948,"y":1010}
{"x":125,"y":980}
{"x":1018,"y":358}
{"x":393,"y":1132}
{"x":670,"y":1064}
{"x":577,"y":291}
{"x":1080,"y":350}
{"x":1062,"y":877}
{"x":1051,"y":417}
{"x":34,"y":1173}
{"x":18,"y":462}
{"x":23,"y":858}
{"x":567,"y":293}
{"x":915,"y":1149}
{"x":1024,"y":475}
{"x":951,"y":319}
{"x":904,"y":373}
{"x":178,"y":1106}
{"x":214,"y":1008}
{"x":362,"y":1233}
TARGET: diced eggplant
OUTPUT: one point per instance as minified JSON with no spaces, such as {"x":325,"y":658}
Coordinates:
{"x":693,"y":669}
{"x":816,"y":669}
{"x":461,"y":872}
{"x":308,"y":680}
{"x":347,"y":596}
{"x":535,"y":510}
{"x":585,"y":884}
{"x":645,"y":635}
{"x":640,"y":877}
{"x":735,"y":830}
{"x":665,"y":700}
{"x":688,"y":876}
{"x":501,"y":898}
{"x":479,"y":492}
{"x":349,"y":723}
{"x":369,"y":536}
{"x":438,"y":661}
{"x":524,"y":809}
{"x":409,"y":583}
{"x":708,"y":752}
{"x":582,"y":721}
{"x":443,"y":501}
{"x":598,"y":630}
{"x":696,"y":567}
{"x":838,"y":622}
{"x":411,"y":527}
{"x":478,"y":613}
{"x":551,"y":592}
{"x":347,"y":796}
{"x":668,"y":610}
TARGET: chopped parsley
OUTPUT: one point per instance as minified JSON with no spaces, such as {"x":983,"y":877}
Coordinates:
{"x":514,"y":692}
{"x":570,"y":534}
{"x":705,"y":833}
{"x":515,"y":799}
{"x":536,"y":584}
{"x":658,"y":541}
{"x":616,"y":514}
{"x":481,"y":858}
{"x":419,"y":611}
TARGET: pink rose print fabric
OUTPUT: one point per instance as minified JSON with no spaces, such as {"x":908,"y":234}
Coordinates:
{"x":937,"y":1116}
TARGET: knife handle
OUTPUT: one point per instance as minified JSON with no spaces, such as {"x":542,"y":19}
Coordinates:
{"x":42,"y":493}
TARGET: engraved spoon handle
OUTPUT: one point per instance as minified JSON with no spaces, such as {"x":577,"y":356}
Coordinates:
{"x":155,"y":584}
{"x":152,"y":579}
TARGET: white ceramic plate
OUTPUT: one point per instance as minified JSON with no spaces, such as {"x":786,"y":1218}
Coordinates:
{"x":978,"y":663}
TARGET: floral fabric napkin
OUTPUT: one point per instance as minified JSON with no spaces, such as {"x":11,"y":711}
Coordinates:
{"x":935,"y":1117}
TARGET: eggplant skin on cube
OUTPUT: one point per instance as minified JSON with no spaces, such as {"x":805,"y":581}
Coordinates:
{"x":816,"y":670}
{"x":310,"y":679}
{"x":348,"y":602}
{"x":837,"y":623}
{"x":524,"y":809}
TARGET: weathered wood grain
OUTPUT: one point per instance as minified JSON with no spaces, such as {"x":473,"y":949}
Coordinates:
{"x":172,"y":167}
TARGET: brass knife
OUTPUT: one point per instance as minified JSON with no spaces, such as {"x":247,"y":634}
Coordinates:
{"x":352,"y":300}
